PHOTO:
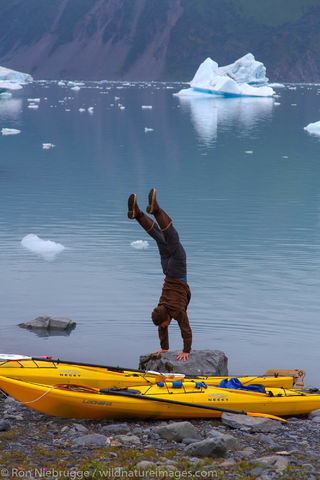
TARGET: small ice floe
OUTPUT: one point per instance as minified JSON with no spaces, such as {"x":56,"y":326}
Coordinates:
{"x":90,"y":110}
{"x":47,"y":146}
{"x":313,"y":128}
{"x":34,"y":100}
{"x":61,"y":83}
{"x":146,"y":129}
{"x":10,"y":131}
{"x":293,"y":104}
{"x":146,"y":107}
{"x":33,"y":106}
{"x":47,"y":249}
{"x":248,"y":152}
{"x":121,"y":107}
{"x":76,"y":84}
{"x":76,"y":88}
{"x":276,"y":104}
{"x":116,"y":99}
{"x":140,"y":244}
{"x":82,"y":110}
{"x":285,"y":156}
{"x":276,"y":85}
{"x":67,"y":109}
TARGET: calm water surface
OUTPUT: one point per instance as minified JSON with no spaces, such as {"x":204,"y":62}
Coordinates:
{"x":240,"y":177}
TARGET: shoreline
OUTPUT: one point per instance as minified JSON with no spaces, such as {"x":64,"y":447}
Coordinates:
{"x":34,"y":445}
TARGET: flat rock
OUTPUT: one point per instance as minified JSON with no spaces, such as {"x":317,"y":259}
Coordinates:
{"x":91,"y":439}
{"x":49,"y":323}
{"x":115,"y":428}
{"x":276,"y":462}
{"x":201,"y":362}
{"x":251,"y":424}
{"x":178,"y":431}
{"x":210,"y":447}
{"x":132,"y":439}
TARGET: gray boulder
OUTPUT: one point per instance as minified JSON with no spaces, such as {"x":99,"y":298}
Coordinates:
{"x":4,"y":425}
{"x":178,"y":431}
{"x":115,"y":428}
{"x":91,"y":439}
{"x":210,"y":447}
{"x":251,"y":424}
{"x":201,"y":362}
{"x":49,"y":323}
{"x":230,"y":442}
{"x":314,"y":413}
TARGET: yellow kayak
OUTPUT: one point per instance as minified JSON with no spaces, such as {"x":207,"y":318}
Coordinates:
{"x":49,"y":372}
{"x":190,"y":399}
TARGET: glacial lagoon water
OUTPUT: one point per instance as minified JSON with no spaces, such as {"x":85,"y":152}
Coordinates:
{"x":241,"y":179}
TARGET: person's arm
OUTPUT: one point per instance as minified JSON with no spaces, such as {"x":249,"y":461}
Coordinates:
{"x":186,"y":333}
{"x":164,"y":338}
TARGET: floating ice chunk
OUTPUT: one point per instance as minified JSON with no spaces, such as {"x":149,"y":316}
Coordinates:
{"x":313,"y":128}
{"x":10,"y":131}
{"x":140,"y":244}
{"x":10,"y":85}
{"x":47,"y":249}
{"x":14,"y":76}
{"x":76,"y":84}
{"x":82,"y":110}
{"x":47,"y":146}
{"x":90,"y":109}
{"x":232,"y":80}
{"x":33,"y":106}
{"x":76,"y":88}
{"x":146,"y":129}
{"x":276,"y":85}
{"x":249,"y":152}
{"x":34,"y":100}
{"x":61,"y":83}
{"x":276,"y":104}
{"x":146,"y":107}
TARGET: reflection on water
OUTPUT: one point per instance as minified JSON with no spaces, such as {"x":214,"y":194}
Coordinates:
{"x":209,"y":113}
{"x":10,"y":108}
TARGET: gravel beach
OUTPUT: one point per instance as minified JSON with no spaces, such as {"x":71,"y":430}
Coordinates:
{"x":33,"y":445}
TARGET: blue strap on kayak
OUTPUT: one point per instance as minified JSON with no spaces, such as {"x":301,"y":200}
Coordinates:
{"x":235,"y":384}
{"x":201,"y":385}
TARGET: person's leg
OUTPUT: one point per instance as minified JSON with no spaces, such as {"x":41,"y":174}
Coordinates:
{"x":150,"y":226}
{"x":177,"y":263}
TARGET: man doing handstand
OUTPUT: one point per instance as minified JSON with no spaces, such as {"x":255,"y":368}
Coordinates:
{"x":176,"y":294}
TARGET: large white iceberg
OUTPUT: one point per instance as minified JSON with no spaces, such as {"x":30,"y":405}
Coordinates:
{"x":12,"y":76}
{"x":234,"y":80}
{"x":313,"y":128}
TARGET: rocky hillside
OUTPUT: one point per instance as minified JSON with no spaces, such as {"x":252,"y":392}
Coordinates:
{"x":158,"y":39}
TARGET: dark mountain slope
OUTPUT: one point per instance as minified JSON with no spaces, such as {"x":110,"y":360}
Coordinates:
{"x":158,"y":39}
